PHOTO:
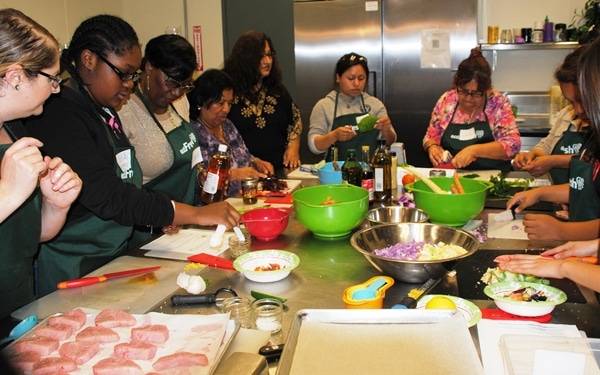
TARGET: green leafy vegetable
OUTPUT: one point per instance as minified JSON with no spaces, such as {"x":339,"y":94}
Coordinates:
{"x":367,"y":123}
{"x":496,"y":275}
{"x":502,"y":188}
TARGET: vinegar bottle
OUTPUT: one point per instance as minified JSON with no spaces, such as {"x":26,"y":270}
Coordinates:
{"x":216,"y":177}
{"x":351,"y":170}
{"x":382,"y":167}
{"x":367,"y":182}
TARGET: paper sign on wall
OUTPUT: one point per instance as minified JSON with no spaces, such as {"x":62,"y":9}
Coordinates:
{"x":197,"y":32}
{"x":435,"y":49}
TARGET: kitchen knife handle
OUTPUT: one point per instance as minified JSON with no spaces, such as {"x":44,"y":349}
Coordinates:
{"x":406,"y":303}
{"x":202,"y":299}
{"x":80,"y":282}
{"x":271,"y":352}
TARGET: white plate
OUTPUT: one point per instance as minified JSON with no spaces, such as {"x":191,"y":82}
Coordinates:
{"x":247,"y":263}
{"x":467,"y":309}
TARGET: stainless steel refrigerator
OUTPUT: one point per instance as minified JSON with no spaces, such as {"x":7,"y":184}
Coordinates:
{"x":390,"y":33}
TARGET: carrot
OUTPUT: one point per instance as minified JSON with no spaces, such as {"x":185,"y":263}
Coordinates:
{"x":458,"y":184}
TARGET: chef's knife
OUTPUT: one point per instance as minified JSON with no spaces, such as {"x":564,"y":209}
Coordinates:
{"x":91,"y":280}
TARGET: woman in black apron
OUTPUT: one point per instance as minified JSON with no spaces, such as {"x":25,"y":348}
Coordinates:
{"x":103,"y":58}
{"x":568,"y":134}
{"x":472,"y":126}
{"x":35,"y":191}
{"x":334,"y":119}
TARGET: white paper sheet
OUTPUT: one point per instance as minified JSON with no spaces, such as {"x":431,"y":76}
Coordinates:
{"x":185,"y":243}
{"x":298,"y":174}
{"x":490,"y":331}
{"x":498,"y":227}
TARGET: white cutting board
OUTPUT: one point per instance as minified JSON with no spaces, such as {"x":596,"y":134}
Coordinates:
{"x":137,"y":294}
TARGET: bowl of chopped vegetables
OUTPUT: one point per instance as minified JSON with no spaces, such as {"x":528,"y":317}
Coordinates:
{"x":525,"y":299}
{"x":413,"y":252}
{"x":331,"y":211}
{"x":265,"y":266}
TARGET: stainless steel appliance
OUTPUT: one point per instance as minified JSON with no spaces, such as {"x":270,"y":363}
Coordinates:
{"x":389,"y":34}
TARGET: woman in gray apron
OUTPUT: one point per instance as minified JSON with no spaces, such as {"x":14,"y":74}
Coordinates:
{"x":567,"y":134}
{"x":35,"y":191}
{"x":103,"y":59}
{"x":472,"y":126}
{"x":334,"y":119}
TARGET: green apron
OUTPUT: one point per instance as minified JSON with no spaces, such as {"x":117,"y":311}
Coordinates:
{"x":569,"y":144}
{"x":20,"y":234}
{"x":179,"y":182}
{"x":458,"y":136}
{"x":88,"y":242}
{"x":584,"y":203}
{"x":368,"y":138}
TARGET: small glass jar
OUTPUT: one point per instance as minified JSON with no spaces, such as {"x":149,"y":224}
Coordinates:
{"x":238,"y":248}
{"x":240,"y":310}
{"x":268,"y":314}
{"x":249,"y":190}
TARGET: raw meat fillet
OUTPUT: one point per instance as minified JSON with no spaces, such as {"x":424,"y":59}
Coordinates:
{"x":117,"y":366}
{"x":57,"y":331}
{"x":97,"y":334}
{"x":135,"y":350}
{"x":79,"y":351}
{"x":154,"y":333}
{"x":180,"y":359}
{"x":25,"y":361}
{"x":41,"y":345}
{"x":111,"y":318}
{"x":53,"y":365}
{"x":74,"y":318}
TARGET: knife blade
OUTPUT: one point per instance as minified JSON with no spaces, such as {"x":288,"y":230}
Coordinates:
{"x":91,"y":280}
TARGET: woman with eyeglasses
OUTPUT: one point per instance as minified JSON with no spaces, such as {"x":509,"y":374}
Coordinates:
{"x":35,"y":191}
{"x":103,"y":59}
{"x":334,"y":117}
{"x":262,"y":110}
{"x":472,"y":125}
{"x":210,"y":103}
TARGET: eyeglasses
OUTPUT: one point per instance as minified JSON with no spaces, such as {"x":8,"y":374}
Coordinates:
{"x":271,"y":53}
{"x":471,"y":93}
{"x":174,"y":84}
{"x":54,"y":80}
{"x":134,"y":77}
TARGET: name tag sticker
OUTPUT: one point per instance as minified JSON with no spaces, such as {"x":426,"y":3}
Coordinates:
{"x":124,"y":160}
{"x":196,"y":156}
{"x":467,"y":134}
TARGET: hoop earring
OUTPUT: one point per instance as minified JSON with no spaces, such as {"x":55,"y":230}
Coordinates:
{"x":17,"y":87}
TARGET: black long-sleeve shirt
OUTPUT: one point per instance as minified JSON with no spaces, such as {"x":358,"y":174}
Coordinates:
{"x":71,"y":128}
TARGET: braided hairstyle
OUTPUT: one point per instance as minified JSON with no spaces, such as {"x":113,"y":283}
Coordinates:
{"x":172,"y":54}
{"x":101,"y":34}
{"x":475,"y":67}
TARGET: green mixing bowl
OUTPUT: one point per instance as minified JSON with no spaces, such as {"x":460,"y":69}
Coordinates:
{"x":334,"y":220}
{"x":450,"y":209}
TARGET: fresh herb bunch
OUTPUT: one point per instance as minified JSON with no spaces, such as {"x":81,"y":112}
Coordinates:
{"x":505,"y":189}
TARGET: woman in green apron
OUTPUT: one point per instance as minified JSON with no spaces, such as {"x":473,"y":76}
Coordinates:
{"x":334,"y":119}
{"x":35,"y":191}
{"x":567,"y":134}
{"x":472,"y":126}
{"x":103,"y":59}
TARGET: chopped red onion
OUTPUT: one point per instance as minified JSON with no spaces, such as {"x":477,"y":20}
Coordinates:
{"x":401,"y":251}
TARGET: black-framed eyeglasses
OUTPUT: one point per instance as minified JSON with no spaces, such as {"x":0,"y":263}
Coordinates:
{"x":471,"y":93}
{"x":134,"y":77}
{"x":173,"y":84}
{"x":55,"y":81}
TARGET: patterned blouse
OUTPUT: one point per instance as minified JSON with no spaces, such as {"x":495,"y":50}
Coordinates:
{"x":499,"y":113}
{"x":236,"y":148}
{"x":267,"y":123}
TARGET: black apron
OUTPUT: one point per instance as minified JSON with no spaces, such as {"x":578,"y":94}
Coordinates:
{"x":570,"y":143}
{"x":20,"y":233}
{"x":458,"y":136}
{"x":584,"y":203}
{"x":368,"y":138}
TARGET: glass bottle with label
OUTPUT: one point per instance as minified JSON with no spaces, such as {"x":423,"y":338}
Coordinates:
{"x":367,"y":182}
{"x":216,"y":177}
{"x":351,"y":170}
{"x":382,"y":168}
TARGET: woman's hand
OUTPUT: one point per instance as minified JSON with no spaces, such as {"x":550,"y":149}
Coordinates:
{"x":436,"y":154}
{"x":291,"y":158}
{"x":238,"y":174}
{"x":542,"y":227}
{"x":344,"y":133}
{"x":21,"y":167}
{"x":540,"y":165}
{"x":218,"y":213}
{"x":61,"y":185}
{"x":523,"y":199}
{"x":574,"y":249}
{"x":531,"y":265}
{"x":263,"y":166}
{"x":522,"y":159}
{"x":465,"y":157}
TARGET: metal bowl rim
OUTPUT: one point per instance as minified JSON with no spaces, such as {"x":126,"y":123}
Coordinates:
{"x":396,"y":207}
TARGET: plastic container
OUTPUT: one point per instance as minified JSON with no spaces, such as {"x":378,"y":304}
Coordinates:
{"x":327,"y":175}
{"x":373,"y":303}
{"x":266,"y":224}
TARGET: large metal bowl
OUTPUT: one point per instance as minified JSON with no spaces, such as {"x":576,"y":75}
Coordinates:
{"x":396,"y":214}
{"x":368,"y":240}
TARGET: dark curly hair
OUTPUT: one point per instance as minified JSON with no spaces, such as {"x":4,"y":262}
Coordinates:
{"x":208,"y":89}
{"x":567,"y":71}
{"x":242,"y":65}
{"x":172,"y":54}
{"x":475,"y":67}
{"x":101,"y":34}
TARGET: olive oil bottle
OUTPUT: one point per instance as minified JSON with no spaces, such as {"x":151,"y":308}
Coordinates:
{"x":382,"y":168}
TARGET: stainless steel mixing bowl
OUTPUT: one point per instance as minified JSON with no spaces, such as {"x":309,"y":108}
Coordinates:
{"x":396,"y":214}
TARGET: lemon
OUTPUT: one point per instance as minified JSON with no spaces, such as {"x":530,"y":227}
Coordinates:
{"x":440,"y":303}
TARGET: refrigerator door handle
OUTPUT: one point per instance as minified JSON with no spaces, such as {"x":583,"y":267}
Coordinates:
{"x":372,"y":84}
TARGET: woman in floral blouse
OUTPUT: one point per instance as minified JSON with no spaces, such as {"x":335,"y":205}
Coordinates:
{"x":472,"y":126}
{"x":263,"y":111}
